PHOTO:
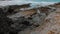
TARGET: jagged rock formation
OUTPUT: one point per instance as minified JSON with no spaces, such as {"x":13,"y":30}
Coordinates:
{"x":15,"y":20}
{"x":51,"y":24}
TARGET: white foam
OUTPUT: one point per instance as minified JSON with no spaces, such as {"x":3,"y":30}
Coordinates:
{"x":4,"y":3}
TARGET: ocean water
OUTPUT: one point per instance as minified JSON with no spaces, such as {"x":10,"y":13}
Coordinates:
{"x":40,"y":0}
{"x":34,"y":2}
{"x":3,"y":3}
{"x":46,"y":0}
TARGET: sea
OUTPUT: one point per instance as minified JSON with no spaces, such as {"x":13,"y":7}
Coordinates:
{"x":34,"y":2}
{"x":46,"y":0}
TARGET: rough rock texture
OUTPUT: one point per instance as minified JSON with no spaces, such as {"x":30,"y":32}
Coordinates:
{"x":51,"y":24}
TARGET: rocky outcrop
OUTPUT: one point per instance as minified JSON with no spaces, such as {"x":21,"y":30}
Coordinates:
{"x":24,"y":17}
